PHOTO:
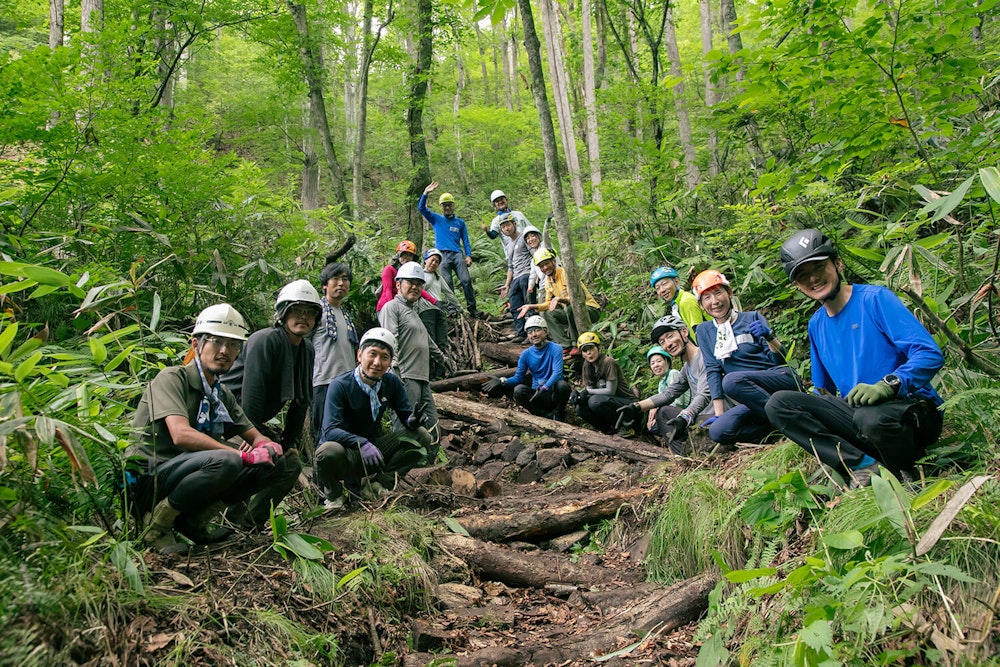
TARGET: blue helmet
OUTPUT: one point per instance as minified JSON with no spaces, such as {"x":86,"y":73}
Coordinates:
{"x":661,"y":273}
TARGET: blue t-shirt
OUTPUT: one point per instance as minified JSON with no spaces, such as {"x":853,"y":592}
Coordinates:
{"x":449,"y":233}
{"x":751,"y":354}
{"x":874,"y":335}
{"x":545,"y":366}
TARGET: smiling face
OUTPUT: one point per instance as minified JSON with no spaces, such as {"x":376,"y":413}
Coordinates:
{"x":409,"y":288}
{"x":537,"y":336}
{"x":548,"y":267}
{"x":658,"y":365}
{"x":666,"y":288}
{"x":336,"y":288}
{"x":674,"y":342}
{"x":216,"y":353}
{"x":508,"y":228}
{"x":533,"y":239}
{"x":432,"y":263}
{"x":374,"y":359}
{"x":817,"y":280}
{"x":590,"y":353}
{"x":717,"y":302}
{"x":500,"y":203}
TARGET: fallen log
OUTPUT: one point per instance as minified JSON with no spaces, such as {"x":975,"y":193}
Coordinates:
{"x":488,"y":414}
{"x":508,"y":353}
{"x":471,"y":381}
{"x":524,"y":569}
{"x":533,"y":526}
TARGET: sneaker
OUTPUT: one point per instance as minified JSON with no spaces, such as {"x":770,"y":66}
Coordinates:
{"x":334,"y":505}
{"x":862,"y":477}
{"x":519,"y":340}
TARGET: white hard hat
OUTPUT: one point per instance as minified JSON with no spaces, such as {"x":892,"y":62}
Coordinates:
{"x":297,"y":291}
{"x":411,"y":271}
{"x":531,"y":228}
{"x":379,"y":335}
{"x":496,"y":194}
{"x":221,"y":320}
{"x":535,"y":322}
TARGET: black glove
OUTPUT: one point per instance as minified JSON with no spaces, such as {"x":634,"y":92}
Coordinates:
{"x":490,"y":385}
{"x":679,"y":426}
{"x":582,"y":396}
{"x":574,"y":397}
{"x":416,"y":418}
{"x":630,"y":412}
{"x":538,"y":392}
{"x":450,"y":367}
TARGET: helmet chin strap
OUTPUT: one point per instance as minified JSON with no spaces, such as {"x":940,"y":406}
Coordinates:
{"x":836,"y":290}
{"x":366,"y":376}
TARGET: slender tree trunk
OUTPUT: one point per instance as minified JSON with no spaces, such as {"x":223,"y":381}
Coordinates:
{"x":711,"y":92}
{"x":455,"y":106}
{"x":733,"y":39}
{"x":602,"y":42}
{"x":680,"y":105}
{"x":421,"y":172}
{"x":310,"y":164}
{"x":557,"y":72}
{"x":370,"y":43}
{"x":514,"y":61}
{"x":505,"y":47}
{"x":552,"y":178}
{"x":56,"y":14}
{"x":352,"y":56}
{"x":165,"y":52}
{"x":91,"y":15}
{"x":496,"y":64}
{"x":590,"y":98}
{"x":482,"y":62}
{"x":313,"y":70}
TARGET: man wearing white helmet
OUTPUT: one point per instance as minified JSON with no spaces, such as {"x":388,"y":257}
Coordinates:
{"x":415,"y":347}
{"x":187,"y":470}
{"x":499,"y":201}
{"x":545,"y":392}
{"x":519,"y":265}
{"x":353,"y":445}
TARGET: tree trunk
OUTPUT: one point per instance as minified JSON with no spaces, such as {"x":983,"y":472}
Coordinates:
{"x":590,"y":101}
{"x":505,"y":47}
{"x":470,"y":381}
{"x":455,"y":108}
{"x":711,"y":93}
{"x":419,"y":75}
{"x":56,"y":14}
{"x":482,"y":62}
{"x":558,"y":75}
{"x":733,"y":39}
{"x":310,"y":165}
{"x":369,"y":44}
{"x":602,"y":42}
{"x":680,"y":105}
{"x":312,"y":63}
{"x":91,"y":15}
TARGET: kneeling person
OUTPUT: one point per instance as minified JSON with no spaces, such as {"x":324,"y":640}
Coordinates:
{"x":604,"y":389}
{"x":545,"y":391}
{"x":354,"y":448}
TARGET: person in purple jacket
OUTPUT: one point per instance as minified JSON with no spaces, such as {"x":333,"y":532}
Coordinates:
{"x":545,"y":392}
{"x":867,"y":347}
{"x":743,"y":360}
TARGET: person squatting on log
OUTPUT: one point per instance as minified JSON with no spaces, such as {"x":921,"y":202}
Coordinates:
{"x":187,"y":472}
{"x":659,"y":364}
{"x":604,"y":388}
{"x":672,"y":335}
{"x":744,"y":361}
{"x":556,"y":307}
{"x":519,"y":263}
{"x":868,"y":347}
{"x":679,"y":303}
{"x":406,"y":251}
{"x":354,"y":447}
{"x":545,"y":392}
{"x":414,"y":349}
{"x":450,"y":235}
{"x":335,"y":338}
{"x":499,"y":201}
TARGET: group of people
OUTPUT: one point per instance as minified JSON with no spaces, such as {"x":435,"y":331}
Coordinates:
{"x":207,"y":435}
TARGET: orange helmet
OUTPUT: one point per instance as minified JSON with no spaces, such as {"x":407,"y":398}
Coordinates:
{"x":706,"y":280}
{"x":407,"y":246}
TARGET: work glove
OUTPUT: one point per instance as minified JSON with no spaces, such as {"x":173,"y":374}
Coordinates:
{"x":272,"y":447}
{"x":869,"y":394}
{"x":630,"y":412}
{"x":679,"y":426}
{"x":491,"y":385}
{"x":708,"y":422}
{"x":416,"y":418}
{"x":257,"y":456}
{"x":538,"y":392}
{"x":449,"y":366}
{"x":583,"y":395}
{"x":760,"y":330}
{"x":371,"y":455}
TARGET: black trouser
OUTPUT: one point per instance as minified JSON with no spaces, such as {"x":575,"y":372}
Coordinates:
{"x":436,"y":324}
{"x":896,"y":433}
{"x":552,"y":400}
{"x":337,"y":465}
{"x":601,"y":412}
{"x":676,"y":442}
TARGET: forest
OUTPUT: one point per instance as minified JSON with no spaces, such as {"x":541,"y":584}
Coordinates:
{"x":160,"y":157}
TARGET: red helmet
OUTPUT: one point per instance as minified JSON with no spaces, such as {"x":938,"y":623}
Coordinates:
{"x":706,"y":280}
{"x":407,"y":246}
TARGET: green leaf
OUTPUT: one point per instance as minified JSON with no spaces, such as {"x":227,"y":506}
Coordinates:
{"x":892,"y":509}
{"x":97,"y":351}
{"x":852,"y":539}
{"x":713,"y":653}
{"x":742,"y":576}
{"x":351,"y":576}
{"x":864,"y":253}
{"x":455,"y":526}
{"x":7,"y":338}
{"x":300,"y":547}
{"x":154,"y":319}
{"x":949,"y":203}
{"x":990,"y":177}
{"x":25,"y":367}
{"x":818,"y":635}
{"x":930,"y":493}
{"x":46,"y":276}
{"x":119,"y":358}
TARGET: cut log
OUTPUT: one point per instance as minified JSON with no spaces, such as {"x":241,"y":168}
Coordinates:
{"x":470,"y":381}
{"x":488,"y":414}
{"x":507,"y":353}
{"x":516,"y":568}
{"x":549,"y":521}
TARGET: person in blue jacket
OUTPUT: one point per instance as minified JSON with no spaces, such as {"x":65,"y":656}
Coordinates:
{"x":545,"y":392}
{"x":743,"y":360}
{"x":450,"y":237}
{"x":353,"y":445}
{"x":869,"y":348}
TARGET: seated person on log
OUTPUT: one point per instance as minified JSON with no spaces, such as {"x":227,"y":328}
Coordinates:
{"x":414,"y":349}
{"x":659,"y":364}
{"x":868,"y":347}
{"x":354,"y":447}
{"x":538,"y":385}
{"x":672,"y":335}
{"x":679,"y":303}
{"x":555,"y":307}
{"x":406,"y":251}
{"x":604,"y":387}
{"x":187,"y":472}
{"x":744,"y":361}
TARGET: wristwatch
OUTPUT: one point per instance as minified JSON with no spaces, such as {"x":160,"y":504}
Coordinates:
{"x":893,"y":381}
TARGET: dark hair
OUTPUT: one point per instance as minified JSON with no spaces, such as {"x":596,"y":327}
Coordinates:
{"x":334,"y":269}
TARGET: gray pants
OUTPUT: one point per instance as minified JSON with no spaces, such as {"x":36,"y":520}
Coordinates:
{"x":336,"y":463}
{"x":419,"y":394}
{"x":562,"y":326}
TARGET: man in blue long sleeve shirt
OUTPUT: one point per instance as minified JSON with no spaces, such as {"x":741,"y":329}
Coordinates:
{"x":538,"y":384}
{"x":450,"y":236}
{"x":866,"y":346}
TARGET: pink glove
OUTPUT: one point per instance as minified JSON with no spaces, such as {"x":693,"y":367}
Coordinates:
{"x":257,"y":456}
{"x":274,"y":448}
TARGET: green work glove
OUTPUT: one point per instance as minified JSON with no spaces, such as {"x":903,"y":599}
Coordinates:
{"x":869,"y":394}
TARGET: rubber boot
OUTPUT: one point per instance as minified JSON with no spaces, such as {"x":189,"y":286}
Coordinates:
{"x":197,"y":526}
{"x":160,"y":530}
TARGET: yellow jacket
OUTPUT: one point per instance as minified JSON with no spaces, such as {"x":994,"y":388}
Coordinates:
{"x":556,"y":287}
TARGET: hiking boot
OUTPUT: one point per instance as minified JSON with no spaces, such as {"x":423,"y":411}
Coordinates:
{"x":334,"y":505}
{"x":862,"y":477}
{"x":159,"y":534}
{"x":198,"y":528}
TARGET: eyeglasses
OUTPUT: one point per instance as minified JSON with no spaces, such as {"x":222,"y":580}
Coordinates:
{"x":302,"y":311}
{"x":224,"y":343}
